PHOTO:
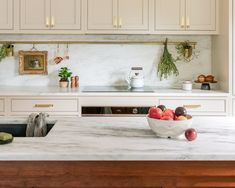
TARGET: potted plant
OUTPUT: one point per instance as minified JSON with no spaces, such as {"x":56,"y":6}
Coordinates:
{"x":64,"y":74}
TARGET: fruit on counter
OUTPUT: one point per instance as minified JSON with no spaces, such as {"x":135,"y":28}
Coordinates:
{"x":180,"y":111}
{"x":168,"y":118}
{"x":191,"y":134}
{"x":180,"y":114}
{"x":162,"y":107}
{"x":169,"y":113}
{"x":210,"y":78}
{"x":155,"y":113}
{"x":201,"y":78}
{"x":181,"y":118}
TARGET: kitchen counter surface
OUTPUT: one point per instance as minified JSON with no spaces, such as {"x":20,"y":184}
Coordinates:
{"x":123,"y":139}
{"x":60,"y":92}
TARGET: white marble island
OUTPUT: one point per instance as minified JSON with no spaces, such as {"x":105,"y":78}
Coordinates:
{"x":121,"y":139}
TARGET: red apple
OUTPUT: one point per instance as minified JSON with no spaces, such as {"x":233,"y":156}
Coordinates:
{"x":191,"y":134}
{"x":168,"y":118}
{"x":169,"y":112}
{"x":155,"y":113}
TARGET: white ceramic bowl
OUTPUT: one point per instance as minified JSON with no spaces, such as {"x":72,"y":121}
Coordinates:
{"x":169,"y":129}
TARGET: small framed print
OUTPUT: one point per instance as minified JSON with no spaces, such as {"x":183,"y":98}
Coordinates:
{"x":33,"y":62}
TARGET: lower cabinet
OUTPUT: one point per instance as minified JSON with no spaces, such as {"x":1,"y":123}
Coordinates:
{"x":2,"y":106}
{"x":52,"y":106}
{"x":199,"y":106}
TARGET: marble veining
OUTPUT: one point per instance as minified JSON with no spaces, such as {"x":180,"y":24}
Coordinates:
{"x":106,"y":64}
{"x":124,"y":139}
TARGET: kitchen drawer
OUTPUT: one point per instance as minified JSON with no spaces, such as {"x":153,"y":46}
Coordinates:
{"x":44,"y":105}
{"x":198,"y":106}
{"x":2,"y":106}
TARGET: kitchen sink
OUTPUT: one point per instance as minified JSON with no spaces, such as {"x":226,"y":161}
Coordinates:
{"x":19,"y":130}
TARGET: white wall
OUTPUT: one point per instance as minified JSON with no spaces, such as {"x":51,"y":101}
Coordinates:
{"x":106,"y":64}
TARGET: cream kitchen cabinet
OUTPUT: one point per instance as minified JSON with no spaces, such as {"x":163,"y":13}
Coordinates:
{"x":6,"y":14}
{"x":199,"y":106}
{"x":186,"y":15}
{"x":117,"y":15}
{"x":2,"y":106}
{"x":66,"y":106}
{"x":50,"y":14}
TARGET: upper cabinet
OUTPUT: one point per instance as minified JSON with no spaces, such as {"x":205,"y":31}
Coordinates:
{"x":201,"y":15}
{"x":169,"y":14}
{"x":185,"y":15}
{"x":117,"y":15}
{"x":50,"y":14}
{"x":109,"y":16}
{"x":6,"y":14}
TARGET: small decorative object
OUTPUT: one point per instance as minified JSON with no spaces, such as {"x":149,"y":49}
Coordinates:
{"x":206,"y":82}
{"x":64,"y":74}
{"x":187,"y":86}
{"x":76,"y":81}
{"x":58,"y":59}
{"x":210,"y":78}
{"x":6,"y":50}
{"x":73,"y":84}
{"x":205,"y":86}
{"x":186,"y":51}
{"x":33,"y":62}
{"x":167,"y":66}
{"x":201,"y":78}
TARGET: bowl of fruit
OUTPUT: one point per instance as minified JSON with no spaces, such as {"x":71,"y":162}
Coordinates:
{"x":168,"y":123}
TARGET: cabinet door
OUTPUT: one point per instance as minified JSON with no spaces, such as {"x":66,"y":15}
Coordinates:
{"x":170,"y":15}
{"x":66,"y":14}
{"x":201,"y":15}
{"x":6,"y":14}
{"x":133,"y":14}
{"x":35,"y":14}
{"x":102,"y":14}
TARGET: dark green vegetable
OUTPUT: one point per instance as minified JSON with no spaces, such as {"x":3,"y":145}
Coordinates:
{"x":167,"y":67}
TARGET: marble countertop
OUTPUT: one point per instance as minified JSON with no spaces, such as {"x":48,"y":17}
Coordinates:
{"x":123,"y":139}
{"x":56,"y":91}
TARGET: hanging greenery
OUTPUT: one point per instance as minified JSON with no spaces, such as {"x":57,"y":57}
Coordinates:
{"x":186,"y":52}
{"x":6,"y":50}
{"x":167,"y":66}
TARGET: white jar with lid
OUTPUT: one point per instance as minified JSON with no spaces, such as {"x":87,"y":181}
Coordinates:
{"x":187,"y":86}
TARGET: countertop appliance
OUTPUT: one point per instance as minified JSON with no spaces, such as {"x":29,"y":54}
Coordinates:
{"x":136,"y":77}
{"x":116,"y":89}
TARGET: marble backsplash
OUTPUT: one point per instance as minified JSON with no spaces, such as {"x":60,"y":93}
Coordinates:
{"x":100,"y":64}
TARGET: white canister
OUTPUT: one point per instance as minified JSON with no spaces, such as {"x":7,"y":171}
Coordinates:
{"x":187,"y":86}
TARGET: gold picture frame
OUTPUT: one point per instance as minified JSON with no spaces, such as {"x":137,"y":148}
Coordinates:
{"x":33,"y":62}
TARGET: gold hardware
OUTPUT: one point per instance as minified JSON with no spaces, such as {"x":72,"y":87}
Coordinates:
{"x":52,"y":21}
{"x":47,"y":22}
{"x":188,"y":23}
{"x":139,"y":42}
{"x":192,"y":106}
{"x":43,"y":105}
{"x":120,"y":23}
{"x":182,"y":22}
{"x":115,"y":24}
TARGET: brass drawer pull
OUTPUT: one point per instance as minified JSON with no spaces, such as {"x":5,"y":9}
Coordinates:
{"x":192,"y":106}
{"x":43,"y":105}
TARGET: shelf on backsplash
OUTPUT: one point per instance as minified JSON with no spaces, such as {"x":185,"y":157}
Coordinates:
{"x":98,"y":42}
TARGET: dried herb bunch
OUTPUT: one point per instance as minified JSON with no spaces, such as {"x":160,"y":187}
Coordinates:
{"x":167,"y":66}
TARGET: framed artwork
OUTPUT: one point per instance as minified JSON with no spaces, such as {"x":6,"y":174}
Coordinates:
{"x":33,"y":62}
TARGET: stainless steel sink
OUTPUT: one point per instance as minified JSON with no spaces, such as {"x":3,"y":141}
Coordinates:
{"x":19,"y":130}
